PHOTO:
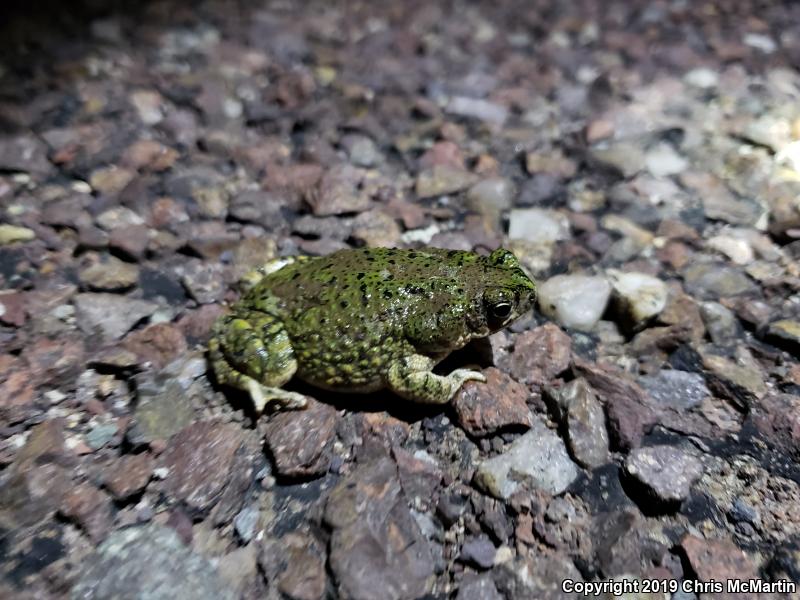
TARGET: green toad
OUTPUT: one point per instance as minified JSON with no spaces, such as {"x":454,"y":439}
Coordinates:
{"x":366,"y":319}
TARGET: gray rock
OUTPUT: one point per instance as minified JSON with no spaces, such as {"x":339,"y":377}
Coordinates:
{"x":362,"y":151}
{"x":539,"y":456}
{"x":715,"y":280}
{"x":246,"y":522}
{"x":676,"y":389}
{"x":491,"y":196}
{"x":480,"y":588}
{"x":101,"y":434}
{"x":476,"y":108}
{"x":586,"y":423}
{"x":441,"y":180}
{"x":148,"y":563}
{"x":24,"y":153}
{"x":109,"y":274}
{"x":538,"y":225}
{"x":478,"y":552}
{"x":163,"y":408}
{"x":204,"y":281}
{"x":575,"y":301}
{"x":110,"y":315}
{"x":662,"y":160}
{"x":721,"y":324}
{"x":702,"y":78}
{"x":626,"y":157}
{"x":667,"y":471}
{"x":257,"y":206}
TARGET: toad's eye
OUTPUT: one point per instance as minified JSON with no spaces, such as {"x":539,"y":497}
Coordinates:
{"x":501,"y":310}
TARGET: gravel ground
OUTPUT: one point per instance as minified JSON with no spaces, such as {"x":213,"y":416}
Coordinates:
{"x":641,"y":158}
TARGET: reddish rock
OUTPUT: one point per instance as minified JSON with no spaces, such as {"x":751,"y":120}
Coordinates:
{"x":389,"y":430}
{"x":158,"y":344}
{"x":90,"y":508}
{"x":17,"y":397}
{"x":443,"y":153}
{"x":777,"y":417}
{"x":54,"y":361}
{"x":196,"y":324}
{"x":420,"y":476}
{"x":485,"y":408}
{"x":303,"y":576}
{"x":13,"y":308}
{"x":540,"y":354}
{"x":628,"y":407}
{"x":129,"y":475}
{"x":131,"y":240}
{"x":150,"y":155}
{"x":199,"y":459}
{"x":296,"y":453}
{"x":719,"y":560}
{"x":339,"y":192}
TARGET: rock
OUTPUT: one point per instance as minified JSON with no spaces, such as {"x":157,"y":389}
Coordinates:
{"x":625,"y":157}
{"x":375,"y":228}
{"x":500,"y":403}
{"x":638,"y":296}
{"x":200,"y":459}
{"x":715,"y":280}
{"x":261,"y":207}
{"x":680,"y":390}
{"x":770,"y":131}
{"x":295,"y":452}
{"x":667,"y":472}
{"x":340,"y":191}
{"x":540,"y":355}
{"x":163,"y":408}
{"x":737,"y":249}
{"x":13,"y":309}
{"x":129,"y":475}
{"x":109,"y":315}
{"x":148,"y":562}
{"x":26,"y":154}
{"x":739,"y":381}
{"x":101,"y":434}
{"x":575,"y":301}
{"x":785,"y":334}
{"x":239,"y":568}
{"x":662,"y":161}
{"x":119,"y":216}
{"x":720,"y":322}
{"x":304,"y":576}
{"x":539,"y":457}
{"x":420,"y":476}
{"x":110,"y":180}
{"x":478,"y":588}
{"x":205,"y":282}
{"x":10,"y":234}
{"x":149,"y":155}
{"x":702,"y":78}
{"x":478,"y":552}
{"x":719,"y":203}
{"x":90,"y":509}
{"x":441,"y":180}
{"x":720,"y":560}
{"x":246,"y":523}
{"x":477,"y":108}
{"x":491,"y":197}
{"x":362,"y":151}
{"x":538,"y":225}
{"x":157,"y":344}
{"x":109,"y":275}
{"x":17,"y":397}
{"x":777,"y":417}
{"x":629,"y":409}
{"x":376,"y":547}
{"x":131,"y":240}
{"x":584,"y":418}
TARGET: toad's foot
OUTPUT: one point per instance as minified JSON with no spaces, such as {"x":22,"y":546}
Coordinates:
{"x":412,"y":378}
{"x":280,"y":399}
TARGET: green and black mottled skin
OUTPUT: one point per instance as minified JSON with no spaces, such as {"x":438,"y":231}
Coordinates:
{"x":366,"y":319}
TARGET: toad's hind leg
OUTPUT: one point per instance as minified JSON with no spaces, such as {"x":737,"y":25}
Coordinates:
{"x":411,"y":377}
{"x":252,"y":352}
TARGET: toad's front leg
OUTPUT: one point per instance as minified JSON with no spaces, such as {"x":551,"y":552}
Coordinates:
{"x":411,"y":377}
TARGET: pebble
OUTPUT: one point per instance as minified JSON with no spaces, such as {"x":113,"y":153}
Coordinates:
{"x":476,"y":108}
{"x":585,"y":422}
{"x":148,"y":562}
{"x":246,"y":522}
{"x":638,"y":296}
{"x":540,"y":355}
{"x":491,"y":196}
{"x":26,"y":154}
{"x":538,"y":225}
{"x":720,"y":323}
{"x":485,"y":408}
{"x":296,"y":453}
{"x":119,"y":216}
{"x":662,"y":161}
{"x":163,"y":408}
{"x":668,"y":472}
{"x":10,"y":234}
{"x":736,"y":249}
{"x":718,"y":559}
{"x":478,"y":588}
{"x":101,"y":434}
{"x":441,"y":180}
{"x":362,"y":151}
{"x":478,"y":552}
{"x":702,"y":78}
{"x":680,"y":390}
{"x":340,"y":191}
{"x":110,"y":315}
{"x":129,"y":475}
{"x":715,"y":280}
{"x":625,"y":157}
{"x":738,"y":381}
{"x":109,"y":274}
{"x":575,"y":301}
{"x":786,"y":334}
{"x":539,"y":456}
